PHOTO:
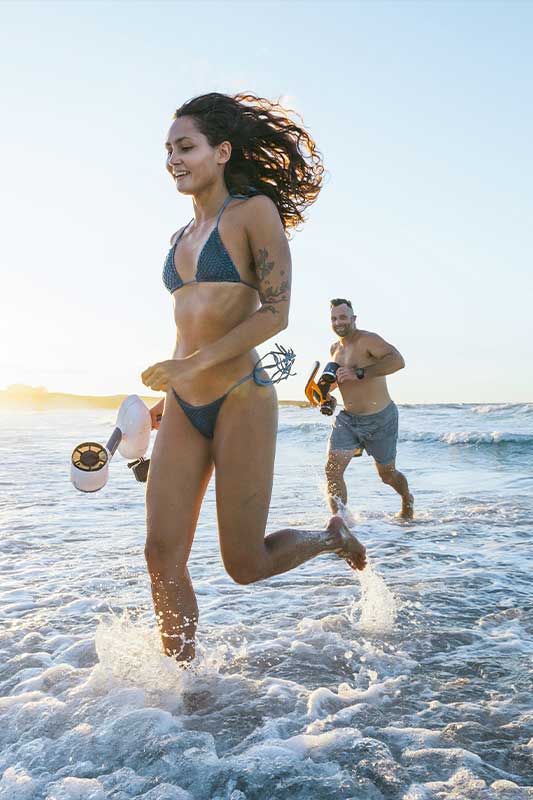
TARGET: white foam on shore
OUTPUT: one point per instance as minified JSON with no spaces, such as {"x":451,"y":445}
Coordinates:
{"x":405,"y":680}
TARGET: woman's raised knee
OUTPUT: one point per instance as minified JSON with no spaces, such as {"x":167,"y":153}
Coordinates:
{"x":242,"y":571}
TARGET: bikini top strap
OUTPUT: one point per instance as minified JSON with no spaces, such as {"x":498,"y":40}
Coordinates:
{"x":228,"y":199}
{"x":180,"y":234}
{"x":226,"y":202}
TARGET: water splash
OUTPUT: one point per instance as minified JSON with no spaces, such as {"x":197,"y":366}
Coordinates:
{"x":377,"y":607}
{"x":130,"y":654}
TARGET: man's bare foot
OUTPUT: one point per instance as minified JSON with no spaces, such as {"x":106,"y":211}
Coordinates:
{"x":346,"y":545}
{"x":408,"y":507}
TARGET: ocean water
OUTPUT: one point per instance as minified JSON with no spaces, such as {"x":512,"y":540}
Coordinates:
{"x":409,"y":681}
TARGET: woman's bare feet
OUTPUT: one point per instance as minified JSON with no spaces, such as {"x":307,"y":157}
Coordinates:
{"x":178,"y":647}
{"x":346,"y":545}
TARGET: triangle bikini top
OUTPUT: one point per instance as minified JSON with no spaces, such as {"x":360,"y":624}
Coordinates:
{"x":214,"y":263}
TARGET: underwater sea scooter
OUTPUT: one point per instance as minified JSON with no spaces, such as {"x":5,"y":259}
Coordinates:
{"x":89,"y":465}
{"x":317,"y":391}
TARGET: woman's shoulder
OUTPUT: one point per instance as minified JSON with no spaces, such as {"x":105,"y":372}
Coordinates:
{"x":176,"y":234}
{"x":259,"y":210}
{"x":259,"y":203}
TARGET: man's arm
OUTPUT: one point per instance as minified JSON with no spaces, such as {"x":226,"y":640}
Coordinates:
{"x":387,"y":359}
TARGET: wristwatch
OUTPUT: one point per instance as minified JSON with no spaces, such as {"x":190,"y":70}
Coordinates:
{"x":360,"y":373}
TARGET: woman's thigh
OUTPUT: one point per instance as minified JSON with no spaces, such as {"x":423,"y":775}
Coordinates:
{"x":244,"y":452}
{"x":180,"y":467}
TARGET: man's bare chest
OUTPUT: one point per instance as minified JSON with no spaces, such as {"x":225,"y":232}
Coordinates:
{"x":350,"y":356}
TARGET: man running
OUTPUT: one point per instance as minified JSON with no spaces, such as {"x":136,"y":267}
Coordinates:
{"x":370,"y":418}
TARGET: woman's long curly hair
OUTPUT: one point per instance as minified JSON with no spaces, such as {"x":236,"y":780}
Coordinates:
{"x":270,"y":155}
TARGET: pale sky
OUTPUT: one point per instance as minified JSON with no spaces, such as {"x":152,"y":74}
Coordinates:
{"x":422,"y":111}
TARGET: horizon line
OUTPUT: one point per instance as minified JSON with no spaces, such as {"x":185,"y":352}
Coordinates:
{"x":24,"y":394}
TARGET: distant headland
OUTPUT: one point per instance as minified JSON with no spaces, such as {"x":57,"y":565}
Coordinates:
{"x":37,"y":398}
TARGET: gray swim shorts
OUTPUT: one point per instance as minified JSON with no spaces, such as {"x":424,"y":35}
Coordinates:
{"x":375,"y":433}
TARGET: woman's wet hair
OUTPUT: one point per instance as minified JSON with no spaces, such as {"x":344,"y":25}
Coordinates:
{"x":271,"y":153}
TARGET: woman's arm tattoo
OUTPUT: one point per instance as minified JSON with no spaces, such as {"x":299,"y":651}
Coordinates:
{"x":271,"y":294}
{"x":264,"y":267}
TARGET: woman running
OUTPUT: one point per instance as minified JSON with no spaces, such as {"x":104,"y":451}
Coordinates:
{"x":251,"y":172}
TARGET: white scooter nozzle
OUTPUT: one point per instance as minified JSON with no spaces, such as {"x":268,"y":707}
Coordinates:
{"x":89,"y":465}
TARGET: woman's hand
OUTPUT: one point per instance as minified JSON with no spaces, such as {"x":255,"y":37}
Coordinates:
{"x":156,"y":412}
{"x":169,"y":374}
